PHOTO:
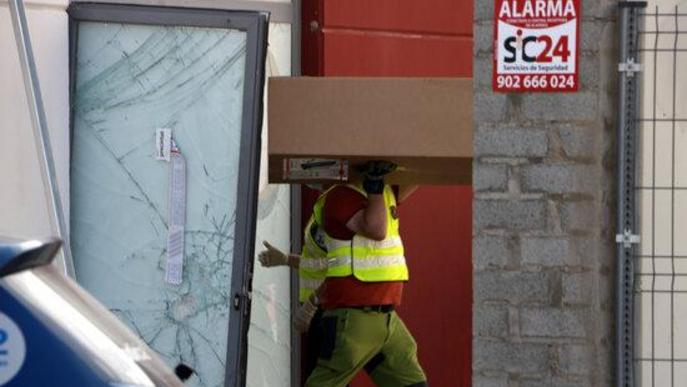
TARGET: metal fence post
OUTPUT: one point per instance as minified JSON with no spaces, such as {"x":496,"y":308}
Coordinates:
{"x":629,"y":22}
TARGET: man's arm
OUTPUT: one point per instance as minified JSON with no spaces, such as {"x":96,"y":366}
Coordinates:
{"x":294,"y":261}
{"x":305,"y":313}
{"x":371,"y":221}
{"x":272,"y":256}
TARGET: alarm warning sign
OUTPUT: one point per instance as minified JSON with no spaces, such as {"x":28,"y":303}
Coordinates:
{"x":536,"y":45}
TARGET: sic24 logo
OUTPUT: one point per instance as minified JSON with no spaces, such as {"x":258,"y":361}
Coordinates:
{"x":519,"y":47}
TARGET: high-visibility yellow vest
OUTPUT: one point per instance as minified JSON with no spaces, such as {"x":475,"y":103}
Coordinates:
{"x":313,"y":265}
{"x":367,"y":259}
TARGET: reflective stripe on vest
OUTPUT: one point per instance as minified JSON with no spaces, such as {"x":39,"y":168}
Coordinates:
{"x":389,"y":242}
{"x":312,"y":269}
{"x":315,"y":264}
{"x":367,"y":259}
{"x":369,"y":262}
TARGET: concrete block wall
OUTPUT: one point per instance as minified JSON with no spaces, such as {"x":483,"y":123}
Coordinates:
{"x":543,"y":247}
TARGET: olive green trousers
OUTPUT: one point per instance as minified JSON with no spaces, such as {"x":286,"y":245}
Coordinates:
{"x":353,"y":339}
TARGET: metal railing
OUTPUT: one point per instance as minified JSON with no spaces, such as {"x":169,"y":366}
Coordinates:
{"x":652,"y":200}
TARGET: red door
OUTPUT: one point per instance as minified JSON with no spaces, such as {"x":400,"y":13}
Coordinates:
{"x":412,"y":38}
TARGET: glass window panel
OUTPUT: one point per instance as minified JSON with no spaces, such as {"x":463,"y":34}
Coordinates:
{"x":131,"y":80}
{"x":269,"y":337}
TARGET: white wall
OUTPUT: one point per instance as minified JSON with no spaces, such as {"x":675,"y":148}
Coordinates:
{"x":23,"y":206}
{"x":661,"y":302}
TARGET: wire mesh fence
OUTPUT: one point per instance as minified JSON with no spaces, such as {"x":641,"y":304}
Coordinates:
{"x":660,"y":261}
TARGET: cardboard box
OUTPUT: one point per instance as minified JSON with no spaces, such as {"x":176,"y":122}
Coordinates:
{"x":422,"y":124}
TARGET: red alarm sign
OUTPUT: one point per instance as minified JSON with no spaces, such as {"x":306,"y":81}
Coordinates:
{"x":536,"y":45}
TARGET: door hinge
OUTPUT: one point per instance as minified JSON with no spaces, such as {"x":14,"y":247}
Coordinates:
{"x":241,"y":297}
{"x":627,"y":238}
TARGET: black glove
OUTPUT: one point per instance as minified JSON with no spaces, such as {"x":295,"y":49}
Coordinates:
{"x":374,"y":172}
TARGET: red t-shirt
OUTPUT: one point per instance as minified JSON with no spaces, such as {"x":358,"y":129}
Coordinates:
{"x":339,"y":292}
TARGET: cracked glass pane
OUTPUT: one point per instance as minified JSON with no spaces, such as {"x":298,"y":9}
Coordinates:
{"x":130,"y":81}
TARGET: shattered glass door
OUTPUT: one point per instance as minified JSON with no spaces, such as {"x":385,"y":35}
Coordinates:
{"x":131,"y":79}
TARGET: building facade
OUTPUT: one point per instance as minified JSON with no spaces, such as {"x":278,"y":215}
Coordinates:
{"x":544,"y":286}
{"x":543,"y":247}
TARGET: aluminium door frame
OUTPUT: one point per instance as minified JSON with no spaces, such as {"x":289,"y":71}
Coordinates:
{"x":255,"y":25}
{"x":295,"y":209}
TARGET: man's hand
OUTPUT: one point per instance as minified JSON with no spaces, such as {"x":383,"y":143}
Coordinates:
{"x":376,"y":168}
{"x":374,"y":172}
{"x":304,"y":315}
{"x":272,"y":256}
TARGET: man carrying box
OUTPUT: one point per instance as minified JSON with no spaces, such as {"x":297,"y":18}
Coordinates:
{"x":312,"y":271}
{"x":366,"y":271}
